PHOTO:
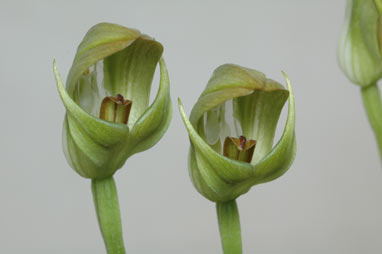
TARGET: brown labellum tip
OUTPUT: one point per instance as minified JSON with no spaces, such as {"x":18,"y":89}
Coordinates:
{"x":242,"y":141}
{"x":239,"y":148}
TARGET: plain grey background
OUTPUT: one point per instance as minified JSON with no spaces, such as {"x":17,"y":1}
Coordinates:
{"x":330,"y":201}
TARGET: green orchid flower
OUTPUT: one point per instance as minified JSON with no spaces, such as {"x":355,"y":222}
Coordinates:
{"x":108,"y":116}
{"x":223,"y":167}
{"x":360,"y":55}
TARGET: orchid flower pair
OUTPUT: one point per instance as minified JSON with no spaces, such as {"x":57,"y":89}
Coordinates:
{"x":108,"y":119}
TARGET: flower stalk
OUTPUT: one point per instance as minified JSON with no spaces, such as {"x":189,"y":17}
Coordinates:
{"x":229,"y":227}
{"x":373,"y":106}
{"x":108,"y":214}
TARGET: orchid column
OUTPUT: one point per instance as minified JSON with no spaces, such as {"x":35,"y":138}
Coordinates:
{"x":108,"y":116}
{"x":225,"y":160}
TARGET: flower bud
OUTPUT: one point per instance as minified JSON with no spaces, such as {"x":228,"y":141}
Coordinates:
{"x":108,"y":116}
{"x":359,"y":50}
{"x":254,"y":103}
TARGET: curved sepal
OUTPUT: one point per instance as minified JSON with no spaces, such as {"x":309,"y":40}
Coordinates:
{"x":279,"y":159}
{"x":90,"y":144}
{"x":198,"y":181}
{"x":226,"y":169}
{"x":154,"y":122}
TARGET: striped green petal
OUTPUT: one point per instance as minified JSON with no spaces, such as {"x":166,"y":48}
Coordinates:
{"x":154,"y":122}
{"x":92,"y":146}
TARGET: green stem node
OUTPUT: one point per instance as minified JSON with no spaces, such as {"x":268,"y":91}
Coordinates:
{"x":108,"y":214}
{"x":373,"y":106}
{"x":229,"y":226}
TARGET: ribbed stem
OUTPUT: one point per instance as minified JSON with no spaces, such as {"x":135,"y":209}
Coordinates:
{"x":229,"y":226}
{"x":108,"y":214}
{"x":373,"y":105}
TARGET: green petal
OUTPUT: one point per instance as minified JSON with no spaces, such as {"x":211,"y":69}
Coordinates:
{"x":228,"y":170}
{"x":101,"y":40}
{"x":258,"y":114}
{"x":208,"y":172}
{"x":154,"y":122}
{"x":208,"y":183}
{"x":196,"y":178}
{"x":358,"y":51}
{"x":85,"y":156}
{"x":91,"y":143}
{"x":130,"y":73}
{"x":278,"y":161}
{"x":103,"y":132}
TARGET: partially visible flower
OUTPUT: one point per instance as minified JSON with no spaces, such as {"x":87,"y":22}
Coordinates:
{"x":108,"y":117}
{"x":360,"y":56}
{"x":222,"y":173}
{"x":360,"y":45}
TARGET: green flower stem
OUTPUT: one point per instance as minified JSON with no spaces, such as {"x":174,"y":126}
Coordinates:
{"x":229,"y":226}
{"x":108,"y":214}
{"x":373,"y":105}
